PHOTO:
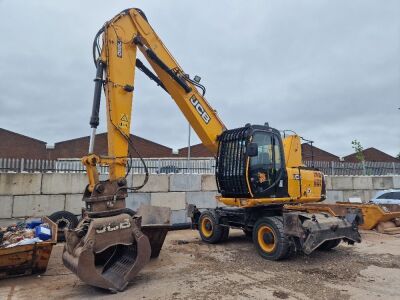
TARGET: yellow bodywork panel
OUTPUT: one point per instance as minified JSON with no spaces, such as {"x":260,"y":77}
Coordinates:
{"x":119,"y":54}
{"x":292,"y":149}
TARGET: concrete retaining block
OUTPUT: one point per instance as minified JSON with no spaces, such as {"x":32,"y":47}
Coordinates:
{"x":354,"y":194}
{"x":328,"y":182}
{"x":333,"y":196}
{"x":342,"y":183}
{"x":362,"y":183}
{"x":134,"y":200}
{"x":64,"y":183}
{"x":202,"y":199}
{"x":37,"y":205}
{"x":179,"y":216}
{"x":6,"y":204}
{"x":396,"y":182}
{"x":74,"y":203}
{"x":382,"y":183}
{"x":184,"y":183}
{"x":156,"y":183}
{"x":20,"y":184}
{"x":208,"y":183}
{"x":369,"y":194}
{"x":173,"y":200}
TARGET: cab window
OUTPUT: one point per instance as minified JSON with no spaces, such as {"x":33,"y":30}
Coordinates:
{"x":265,"y":168}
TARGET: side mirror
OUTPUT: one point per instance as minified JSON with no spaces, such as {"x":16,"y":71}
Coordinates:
{"x":252,"y":149}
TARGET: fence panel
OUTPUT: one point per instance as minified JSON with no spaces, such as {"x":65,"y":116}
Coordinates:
{"x":182,"y":165}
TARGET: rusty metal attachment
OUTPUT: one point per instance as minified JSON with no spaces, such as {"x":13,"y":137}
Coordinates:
{"x":111,"y":244}
{"x":313,"y":229}
{"x":372,"y":214}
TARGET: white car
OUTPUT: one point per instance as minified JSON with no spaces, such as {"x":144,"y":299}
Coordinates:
{"x":387,"y":197}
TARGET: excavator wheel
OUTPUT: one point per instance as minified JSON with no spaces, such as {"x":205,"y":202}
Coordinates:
{"x":210,"y":231}
{"x":328,"y":245}
{"x":269,"y":239}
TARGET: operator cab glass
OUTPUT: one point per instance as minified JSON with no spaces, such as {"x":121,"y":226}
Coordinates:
{"x":265,"y":169}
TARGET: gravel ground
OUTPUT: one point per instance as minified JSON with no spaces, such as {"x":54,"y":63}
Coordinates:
{"x":190,"y":269}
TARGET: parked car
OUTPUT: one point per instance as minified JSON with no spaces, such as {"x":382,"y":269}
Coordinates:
{"x":168,"y":170}
{"x":387,"y":197}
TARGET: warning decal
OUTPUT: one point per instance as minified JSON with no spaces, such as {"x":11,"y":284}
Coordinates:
{"x":123,"y":121}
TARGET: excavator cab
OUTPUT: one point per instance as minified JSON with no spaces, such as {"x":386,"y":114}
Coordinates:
{"x":251,"y":164}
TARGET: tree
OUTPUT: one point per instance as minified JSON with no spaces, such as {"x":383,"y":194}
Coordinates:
{"x":358,"y":148}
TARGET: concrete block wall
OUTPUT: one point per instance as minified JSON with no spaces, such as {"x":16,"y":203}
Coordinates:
{"x":341,"y":188}
{"x":26,"y":195}
{"x":34,"y":195}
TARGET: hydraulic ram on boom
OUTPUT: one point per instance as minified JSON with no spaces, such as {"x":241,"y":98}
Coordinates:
{"x":257,"y":171}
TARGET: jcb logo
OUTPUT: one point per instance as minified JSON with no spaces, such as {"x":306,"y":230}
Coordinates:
{"x":200,"y":109}
{"x":114,"y":226}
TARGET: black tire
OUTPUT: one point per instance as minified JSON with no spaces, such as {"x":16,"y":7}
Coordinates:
{"x":269,"y":239}
{"x":210,"y":231}
{"x":63,"y":219}
{"x":225,"y":233}
{"x":329,"y":245}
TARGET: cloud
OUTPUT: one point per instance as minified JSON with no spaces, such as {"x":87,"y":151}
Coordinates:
{"x":328,"y":70}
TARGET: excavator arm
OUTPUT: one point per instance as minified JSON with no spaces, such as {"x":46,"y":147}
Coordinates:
{"x":110,"y":245}
{"x":123,"y":36}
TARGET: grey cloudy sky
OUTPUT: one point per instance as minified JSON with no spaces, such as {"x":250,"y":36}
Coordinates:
{"x":330,"y":70}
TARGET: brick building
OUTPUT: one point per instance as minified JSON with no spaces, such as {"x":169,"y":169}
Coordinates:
{"x":77,"y":148}
{"x":372,"y":154}
{"x":15,"y":145}
{"x":199,"y":150}
{"x":317,"y":153}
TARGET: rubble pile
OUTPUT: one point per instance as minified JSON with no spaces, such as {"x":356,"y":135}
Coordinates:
{"x":24,"y":233}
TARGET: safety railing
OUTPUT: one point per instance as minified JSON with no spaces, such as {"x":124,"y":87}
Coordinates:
{"x":183,"y":165}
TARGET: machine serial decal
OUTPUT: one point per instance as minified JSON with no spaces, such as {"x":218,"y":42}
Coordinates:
{"x":113,"y":227}
{"x":119,"y":48}
{"x":200,"y":109}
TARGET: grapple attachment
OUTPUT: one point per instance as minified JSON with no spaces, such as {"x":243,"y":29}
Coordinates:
{"x":110,"y":254}
{"x":110,"y":245}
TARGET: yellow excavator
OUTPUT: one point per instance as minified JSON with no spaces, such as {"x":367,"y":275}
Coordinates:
{"x":258,"y":172}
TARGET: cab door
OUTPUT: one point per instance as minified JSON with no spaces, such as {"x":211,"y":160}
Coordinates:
{"x":267,"y":169}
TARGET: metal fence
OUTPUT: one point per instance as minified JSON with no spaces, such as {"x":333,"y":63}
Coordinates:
{"x":182,"y":165}
{"x":362,"y":168}
{"x":154,"y":165}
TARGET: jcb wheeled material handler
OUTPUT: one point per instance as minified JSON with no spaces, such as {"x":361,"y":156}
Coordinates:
{"x":257,"y":171}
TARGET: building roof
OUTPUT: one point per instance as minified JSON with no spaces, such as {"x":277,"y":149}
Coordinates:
{"x":4,"y":132}
{"x":15,"y":145}
{"x":198,"y":150}
{"x":77,"y":148}
{"x":317,"y":153}
{"x":372,"y":154}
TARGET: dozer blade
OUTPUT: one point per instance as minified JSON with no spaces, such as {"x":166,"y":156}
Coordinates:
{"x":108,"y":252}
{"x":313,"y":229}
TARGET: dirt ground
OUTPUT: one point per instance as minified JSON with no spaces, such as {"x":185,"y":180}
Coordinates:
{"x":190,"y":269}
